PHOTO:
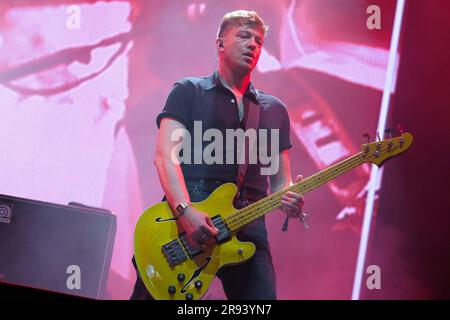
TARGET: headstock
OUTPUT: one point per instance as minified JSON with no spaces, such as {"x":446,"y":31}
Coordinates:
{"x":380,"y":151}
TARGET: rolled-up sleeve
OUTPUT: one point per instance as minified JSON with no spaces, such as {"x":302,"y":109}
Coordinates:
{"x":179,"y":103}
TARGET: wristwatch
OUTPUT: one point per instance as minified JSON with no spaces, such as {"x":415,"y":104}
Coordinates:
{"x":181,"y":209}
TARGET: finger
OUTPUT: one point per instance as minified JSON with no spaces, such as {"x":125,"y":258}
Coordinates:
{"x":201,"y":244}
{"x":208,"y":231}
{"x":206,"y":239}
{"x":288,"y":206}
{"x":212,"y":230}
{"x":289,"y":200}
{"x":297,"y":196}
{"x":292,"y":204}
{"x":294,"y":209}
{"x":299,"y":178}
{"x":290,"y":210}
{"x":194,"y":242}
{"x":200,"y":237}
{"x":285,"y":203}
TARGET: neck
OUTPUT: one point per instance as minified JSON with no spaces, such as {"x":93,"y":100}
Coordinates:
{"x":235,"y":80}
{"x":257,"y":209}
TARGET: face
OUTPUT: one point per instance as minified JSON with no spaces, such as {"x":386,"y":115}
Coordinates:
{"x":241,"y":48}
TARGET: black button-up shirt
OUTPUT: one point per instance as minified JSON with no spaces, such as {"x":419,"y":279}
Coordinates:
{"x":207,"y":103}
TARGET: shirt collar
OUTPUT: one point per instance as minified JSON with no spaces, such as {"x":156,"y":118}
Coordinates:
{"x":214,"y":81}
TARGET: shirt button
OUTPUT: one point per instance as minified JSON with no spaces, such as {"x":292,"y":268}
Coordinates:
{"x":233,"y":101}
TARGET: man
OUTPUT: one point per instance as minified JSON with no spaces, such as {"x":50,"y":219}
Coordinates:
{"x":222,"y":102}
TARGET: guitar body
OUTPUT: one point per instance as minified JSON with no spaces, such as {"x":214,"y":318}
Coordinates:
{"x":157,"y":227}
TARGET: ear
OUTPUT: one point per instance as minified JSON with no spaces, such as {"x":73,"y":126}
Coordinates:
{"x":219,"y":44}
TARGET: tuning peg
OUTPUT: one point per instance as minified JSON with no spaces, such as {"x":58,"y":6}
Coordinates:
{"x":402,"y":139}
{"x":388,"y":132}
{"x":367,"y":136}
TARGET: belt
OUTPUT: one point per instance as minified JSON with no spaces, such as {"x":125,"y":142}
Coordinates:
{"x":209,"y":185}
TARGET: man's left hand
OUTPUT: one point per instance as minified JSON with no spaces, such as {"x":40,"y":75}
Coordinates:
{"x":292,"y":203}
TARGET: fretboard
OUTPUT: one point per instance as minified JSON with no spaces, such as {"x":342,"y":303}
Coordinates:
{"x":257,"y":209}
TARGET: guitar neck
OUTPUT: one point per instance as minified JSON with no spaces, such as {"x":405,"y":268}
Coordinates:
{"x":257,"y":209}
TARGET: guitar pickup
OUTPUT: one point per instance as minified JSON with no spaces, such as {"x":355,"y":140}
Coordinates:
{"x":224,"y":232}
{"x":174,"y":252}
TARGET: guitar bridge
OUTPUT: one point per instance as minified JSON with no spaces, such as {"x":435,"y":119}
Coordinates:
{"x":178,"y":250}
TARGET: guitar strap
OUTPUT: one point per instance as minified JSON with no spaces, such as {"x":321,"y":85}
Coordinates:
{"x":252,"y":122}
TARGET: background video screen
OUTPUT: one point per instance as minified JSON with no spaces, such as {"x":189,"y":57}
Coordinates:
{"x":81,"y":84}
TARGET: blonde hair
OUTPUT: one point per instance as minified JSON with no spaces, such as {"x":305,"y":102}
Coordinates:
{"x":242,"y":18}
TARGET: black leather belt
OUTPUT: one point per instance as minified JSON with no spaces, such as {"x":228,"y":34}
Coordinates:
{"x":209,"y":185}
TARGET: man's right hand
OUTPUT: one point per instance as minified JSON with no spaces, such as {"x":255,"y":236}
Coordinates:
{"x":199,"y":228}
{"x":197,"y":225}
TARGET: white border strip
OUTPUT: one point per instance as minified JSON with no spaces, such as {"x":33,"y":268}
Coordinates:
{"x":375,"y":172}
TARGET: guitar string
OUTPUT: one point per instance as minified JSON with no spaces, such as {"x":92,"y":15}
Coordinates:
{"x":237,"y":217}
{"x":235,"y":220}
{"x":241,"y":217}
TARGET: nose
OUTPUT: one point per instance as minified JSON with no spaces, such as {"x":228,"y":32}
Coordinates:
{"x":252,"y":44}
{"x":252,"y":47}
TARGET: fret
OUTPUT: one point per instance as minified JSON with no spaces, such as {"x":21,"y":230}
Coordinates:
{"x":262,"y":207}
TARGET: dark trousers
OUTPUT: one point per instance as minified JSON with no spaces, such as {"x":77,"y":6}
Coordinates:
{"x":251,"y":280}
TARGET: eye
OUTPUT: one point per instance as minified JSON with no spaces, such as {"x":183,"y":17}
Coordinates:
{"x":244,"y":35}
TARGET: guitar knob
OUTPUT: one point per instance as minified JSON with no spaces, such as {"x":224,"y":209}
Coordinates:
{"x":181,"y":277}
{"x":198,"y":284}
{"x":189,"y":296}
{"x":172,"y":290}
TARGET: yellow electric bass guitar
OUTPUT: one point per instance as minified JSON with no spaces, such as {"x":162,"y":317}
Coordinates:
{"x":172,"y":269}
